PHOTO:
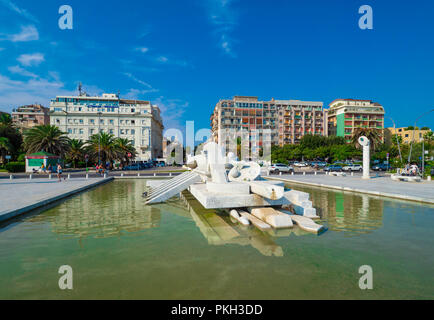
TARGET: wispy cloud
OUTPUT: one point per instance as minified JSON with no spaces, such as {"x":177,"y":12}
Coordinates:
{"x":142,"y":49}
{"x":34,"y":90}
{"x":167,"y":60}
{"x":33,"y":59}
{"x":134,"y":93}
{"x":22,"y":12}
{"x":172,"y":111}
{"x":22,"y":72}
{"x":27,"y":33}
{"x":224,"y":18}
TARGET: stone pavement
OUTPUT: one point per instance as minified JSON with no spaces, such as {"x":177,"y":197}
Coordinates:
{"x":19,"y":196}
{"x":380,"y":186}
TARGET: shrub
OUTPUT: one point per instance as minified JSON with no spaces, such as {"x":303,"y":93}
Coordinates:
{"x":15,"y":166}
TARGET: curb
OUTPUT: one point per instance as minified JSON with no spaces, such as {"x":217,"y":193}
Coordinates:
{"x":374,"y":193}
{"x":13,"y":213}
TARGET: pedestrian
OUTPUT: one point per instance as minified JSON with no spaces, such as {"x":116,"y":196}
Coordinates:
{"x":59,"y":172}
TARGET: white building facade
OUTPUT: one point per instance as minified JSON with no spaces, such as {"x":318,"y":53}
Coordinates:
{"x":138,"y":121}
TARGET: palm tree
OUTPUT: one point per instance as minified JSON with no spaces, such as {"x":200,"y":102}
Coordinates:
{"x":124,"y":146}
{"x":374,"y":135}
{"x":429,"y":137}
{"x":5,"y":119}
{"x":46,"y":138}
{"x":5,"y":147}
{"x":102,"y":146}
{"x":75,"y":151}
{"x":8,"y":131}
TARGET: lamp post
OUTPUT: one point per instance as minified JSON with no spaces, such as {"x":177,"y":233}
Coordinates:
{"x":414,"y":129}
{"x":397,"y":140}
{"x":99,"y":137}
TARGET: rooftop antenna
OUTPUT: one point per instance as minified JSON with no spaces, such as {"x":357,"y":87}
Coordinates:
{"x":119,"y":93}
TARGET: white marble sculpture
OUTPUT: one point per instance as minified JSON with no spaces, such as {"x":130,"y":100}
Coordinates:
{"x":222,"y":182}
{"x":365,"y":143}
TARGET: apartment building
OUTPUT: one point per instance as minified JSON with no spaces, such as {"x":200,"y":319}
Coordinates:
{"x":83,"y":116}
{"x":345,"y":115}
{"x":29,"y":116}
{"x":406,"y":134}
{"x":276,"y":122}
{"x":298,"y":118}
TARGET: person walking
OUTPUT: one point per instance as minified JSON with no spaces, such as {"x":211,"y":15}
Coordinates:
{"x":59,"y":172}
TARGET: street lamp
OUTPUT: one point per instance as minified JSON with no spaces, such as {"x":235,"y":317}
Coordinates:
{"x":99,"y":137}
{"x":397,"y":140}
{"x":414,"y":129}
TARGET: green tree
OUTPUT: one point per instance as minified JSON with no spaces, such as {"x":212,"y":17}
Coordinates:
{"x":103,"y":145}
{"x":11,"y":133}
{"x":75,"y":151}
{"x":374,"y":135}
{"x":124,"y":146}
{"x":5,"y":147}
{"x":46,"y":138}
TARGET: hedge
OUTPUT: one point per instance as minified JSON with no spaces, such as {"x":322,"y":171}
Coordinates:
{"x":15,"y":166}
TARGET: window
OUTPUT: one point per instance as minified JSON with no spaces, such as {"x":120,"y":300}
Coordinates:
{"x":81,"y":121}
{"x":133,"y":131}
{"x":92,"y":121}
{"x":133,"y":122}
{"x":133,"y":110}
{"x":69,"y":130}
{"x":81,"y":131}
{"x":111,"y":131}
{"x":111,"y":121}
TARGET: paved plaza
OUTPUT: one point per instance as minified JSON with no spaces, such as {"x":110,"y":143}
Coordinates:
{"x":381,"y":186}
{"x":18,"y":196}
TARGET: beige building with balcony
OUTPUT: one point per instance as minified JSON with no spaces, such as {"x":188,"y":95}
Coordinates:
{"x":406,"y":135}
{"x":28,"y":116}
{"x":345,"y":115}
{"x":278,"y":122}
{"x":138,"y":121}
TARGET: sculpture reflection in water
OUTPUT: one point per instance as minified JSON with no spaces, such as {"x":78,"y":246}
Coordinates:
{"x":220,"y":229}
{"x":111,"y":210}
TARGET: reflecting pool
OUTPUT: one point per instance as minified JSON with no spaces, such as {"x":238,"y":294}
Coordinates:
{"x":119,"y":248}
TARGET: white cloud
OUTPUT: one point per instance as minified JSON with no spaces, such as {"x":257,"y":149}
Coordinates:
{"x":20,"y":11}
{"x":21,"y":71}
{"x":142,"y":50}
{"x":162,"y":59}
{"x":34,"y":90}
{"x":224,"y":19}
{"x":27,"y":33}
{"x":166,"y":60}
{"x":33,"y":59}
{"x":172,"y":111}
{"x":143,"y":83}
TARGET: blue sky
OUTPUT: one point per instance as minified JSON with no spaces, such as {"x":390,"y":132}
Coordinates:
{"x":186,"y":55}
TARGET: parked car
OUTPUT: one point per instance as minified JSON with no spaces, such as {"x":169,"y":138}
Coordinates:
{"x":135,"y":166}
{"x":381,"y":167}
{"x":145,"y":165}
{"x":333,"y":167}
{"x":353,"y":167}
{"x":161,"y":164}
{"x":300,"y":164}
{"x":280,"y":167}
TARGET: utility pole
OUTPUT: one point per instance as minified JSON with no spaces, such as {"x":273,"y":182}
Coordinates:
{"x":423,"y":158}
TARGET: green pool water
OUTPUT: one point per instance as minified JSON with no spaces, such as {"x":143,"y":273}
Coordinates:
{"x":119,"y":248}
